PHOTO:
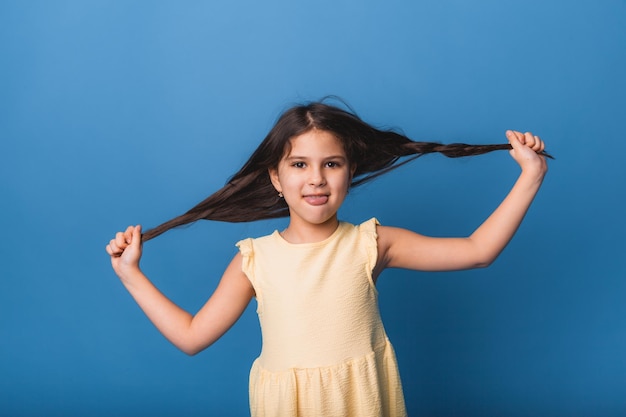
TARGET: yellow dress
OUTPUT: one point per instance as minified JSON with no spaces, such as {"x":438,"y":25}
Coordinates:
{"x":325,"y":351}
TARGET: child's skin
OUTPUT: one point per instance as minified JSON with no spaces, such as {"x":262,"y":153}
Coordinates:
{"x":314,"y":179}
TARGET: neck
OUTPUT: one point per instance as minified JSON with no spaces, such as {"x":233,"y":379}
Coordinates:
{"x":300,"y":232}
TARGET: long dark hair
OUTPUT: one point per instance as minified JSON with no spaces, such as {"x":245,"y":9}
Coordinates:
{"x":249,"y":195}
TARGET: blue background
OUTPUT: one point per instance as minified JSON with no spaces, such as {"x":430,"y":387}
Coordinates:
{"x":114,"y":113}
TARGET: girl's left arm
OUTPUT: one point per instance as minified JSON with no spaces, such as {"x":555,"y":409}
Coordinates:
{"x":399,"y":248}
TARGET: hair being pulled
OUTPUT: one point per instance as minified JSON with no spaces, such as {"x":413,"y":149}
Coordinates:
{"x":249,"y":195}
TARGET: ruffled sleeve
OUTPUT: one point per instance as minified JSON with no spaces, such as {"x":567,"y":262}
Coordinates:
{"x":370,"y":236}
{"x":247,"y":263}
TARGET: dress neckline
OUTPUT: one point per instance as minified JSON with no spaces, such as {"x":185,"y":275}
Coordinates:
{"x":284,"y":241}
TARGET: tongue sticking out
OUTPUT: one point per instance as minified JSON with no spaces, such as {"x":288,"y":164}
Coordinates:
{"x":316,"y":200}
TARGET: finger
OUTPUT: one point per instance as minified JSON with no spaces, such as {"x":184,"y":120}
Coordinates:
{"x":529,"y":139}
{"x":120,"y":240}
{"x":136,"y":237}
{"x":113,"y":249}
{"x":538,"y":145}
{"x":123,"y":238}
{"x":128,"y":234}
{"x":534,"y":142}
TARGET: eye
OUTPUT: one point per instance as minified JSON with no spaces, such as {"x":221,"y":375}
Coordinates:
{"x":298,"y":164}
{"x":332,"y":164}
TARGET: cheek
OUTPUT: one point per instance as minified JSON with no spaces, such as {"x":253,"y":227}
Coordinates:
{"x":290,"y":181}
{"x":343,"y":181}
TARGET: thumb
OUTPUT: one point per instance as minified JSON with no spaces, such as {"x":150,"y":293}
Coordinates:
{"x":516,"y":139}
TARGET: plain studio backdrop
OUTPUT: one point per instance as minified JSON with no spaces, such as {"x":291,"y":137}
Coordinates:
{"x":124,"y":112}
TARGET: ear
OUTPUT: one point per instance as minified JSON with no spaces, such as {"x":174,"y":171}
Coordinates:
{"x":352,"y":171}
{"x":273,"y":173}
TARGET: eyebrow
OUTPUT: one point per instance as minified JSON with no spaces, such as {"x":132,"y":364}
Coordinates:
{"x":292,"y":157}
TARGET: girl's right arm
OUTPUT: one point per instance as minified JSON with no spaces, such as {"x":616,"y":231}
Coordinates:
{"x":399,"y":248}
{"x":191,"y":334}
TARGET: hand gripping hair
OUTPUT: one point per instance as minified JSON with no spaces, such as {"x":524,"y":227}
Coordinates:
{"x":249,"y":195}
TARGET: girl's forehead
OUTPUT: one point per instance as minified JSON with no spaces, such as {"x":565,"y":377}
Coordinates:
{"x":315,"y":142}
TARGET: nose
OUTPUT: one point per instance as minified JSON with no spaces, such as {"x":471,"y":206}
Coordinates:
{"x":317,"y":179}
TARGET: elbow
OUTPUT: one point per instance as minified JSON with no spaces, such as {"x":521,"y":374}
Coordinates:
{"x":192,"y":349}
{"x":485,"y":261}
{"x":484,"y":264}
{"x":483,"y":257}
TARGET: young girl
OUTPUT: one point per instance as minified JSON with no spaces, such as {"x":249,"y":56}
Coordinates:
{"x":325,"y":351}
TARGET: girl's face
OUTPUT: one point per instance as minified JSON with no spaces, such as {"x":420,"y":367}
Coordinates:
{"x":314,"y":177}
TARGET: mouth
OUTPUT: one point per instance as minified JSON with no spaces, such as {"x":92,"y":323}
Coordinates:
{"x":316,"y":199}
